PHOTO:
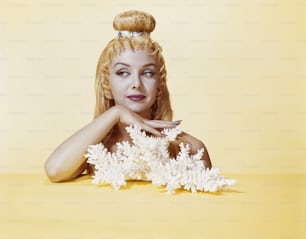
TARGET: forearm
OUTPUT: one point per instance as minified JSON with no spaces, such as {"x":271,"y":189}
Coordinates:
{"x":68,"y":159}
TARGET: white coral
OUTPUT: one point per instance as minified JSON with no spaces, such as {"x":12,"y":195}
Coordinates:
{"x":147,"y":158}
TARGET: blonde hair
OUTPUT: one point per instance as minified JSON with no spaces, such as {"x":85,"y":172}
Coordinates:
{"x":141,"y":22}
{"x":132,"y":21}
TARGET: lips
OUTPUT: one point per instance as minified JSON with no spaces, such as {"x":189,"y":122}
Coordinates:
{"x":137,"y":97}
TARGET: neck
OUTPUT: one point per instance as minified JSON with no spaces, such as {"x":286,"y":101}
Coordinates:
{"x":146,"y":114}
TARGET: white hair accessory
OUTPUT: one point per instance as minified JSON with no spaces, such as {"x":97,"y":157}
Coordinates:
{"x":130,"y":34}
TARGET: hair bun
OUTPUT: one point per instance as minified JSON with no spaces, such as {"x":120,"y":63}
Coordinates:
{"x":134,"y":21}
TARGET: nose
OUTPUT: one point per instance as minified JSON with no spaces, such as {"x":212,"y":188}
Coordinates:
{"x":136,"y":81}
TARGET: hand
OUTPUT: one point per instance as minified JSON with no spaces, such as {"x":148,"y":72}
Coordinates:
{"x":129,"y":117}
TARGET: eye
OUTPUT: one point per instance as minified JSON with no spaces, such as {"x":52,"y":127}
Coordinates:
{"x":123,"y":73}
{"x":149,"y":73}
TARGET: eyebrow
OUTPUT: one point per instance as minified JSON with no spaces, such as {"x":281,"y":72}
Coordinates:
{"x":120,"y":63}
{"x":127,"y":65}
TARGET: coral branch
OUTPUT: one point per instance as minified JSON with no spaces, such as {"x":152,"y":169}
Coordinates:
{"x":147,"y":158}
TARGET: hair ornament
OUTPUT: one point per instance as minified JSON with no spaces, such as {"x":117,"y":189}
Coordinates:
{"x":130,"y":34}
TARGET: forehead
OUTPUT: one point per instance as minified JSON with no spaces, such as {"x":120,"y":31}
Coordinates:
{"x":134,"y":58}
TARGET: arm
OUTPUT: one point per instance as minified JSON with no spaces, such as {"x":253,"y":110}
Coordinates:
{"x":68,"y":161}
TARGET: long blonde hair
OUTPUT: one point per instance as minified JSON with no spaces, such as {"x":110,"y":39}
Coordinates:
{"x":132,"y":21}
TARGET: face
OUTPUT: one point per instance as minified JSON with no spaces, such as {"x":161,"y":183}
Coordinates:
{"x":134,"y":80}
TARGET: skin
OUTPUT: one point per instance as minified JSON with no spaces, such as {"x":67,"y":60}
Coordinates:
{"x":134,"y":82}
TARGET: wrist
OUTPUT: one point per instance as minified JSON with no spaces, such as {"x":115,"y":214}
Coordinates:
{"x":116,"y":112}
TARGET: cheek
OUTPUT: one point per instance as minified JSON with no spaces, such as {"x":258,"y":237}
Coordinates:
{"x":151,"y":87}
{"x":153,"y":84}
{"x":115,"y":85}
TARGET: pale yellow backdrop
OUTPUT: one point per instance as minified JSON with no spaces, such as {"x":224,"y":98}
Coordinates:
{"x":237,"y":73}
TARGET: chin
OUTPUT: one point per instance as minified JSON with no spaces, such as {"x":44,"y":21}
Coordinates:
{"x":143,"y":111}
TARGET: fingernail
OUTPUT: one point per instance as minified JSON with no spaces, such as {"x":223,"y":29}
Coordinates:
{"x":163,"y":134}
{"x":178,"y":121}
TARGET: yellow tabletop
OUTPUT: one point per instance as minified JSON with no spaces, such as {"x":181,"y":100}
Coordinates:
{"x":258,"y":206}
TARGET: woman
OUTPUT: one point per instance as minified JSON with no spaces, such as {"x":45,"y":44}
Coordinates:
{"x":130,"y":89}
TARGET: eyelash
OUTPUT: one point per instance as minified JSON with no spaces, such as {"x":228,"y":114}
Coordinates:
{"x":125,"y":73}
{"x":150,"y":72}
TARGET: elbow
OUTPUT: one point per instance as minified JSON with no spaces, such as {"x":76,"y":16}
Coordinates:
{"x":53,"y":173}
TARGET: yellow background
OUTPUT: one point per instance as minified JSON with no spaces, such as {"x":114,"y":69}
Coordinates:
{"x":237,"y":74}
{"x":236,"y":70}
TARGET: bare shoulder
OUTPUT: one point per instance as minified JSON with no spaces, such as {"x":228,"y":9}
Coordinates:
{"x":195,"y":144}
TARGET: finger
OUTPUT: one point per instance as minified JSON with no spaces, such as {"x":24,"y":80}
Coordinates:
{"x":150,"y":129}
{"x":162,"y":123}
